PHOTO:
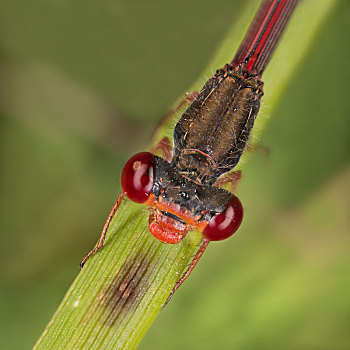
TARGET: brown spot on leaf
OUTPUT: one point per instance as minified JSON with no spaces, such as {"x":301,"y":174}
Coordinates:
{"x":127,"y":288}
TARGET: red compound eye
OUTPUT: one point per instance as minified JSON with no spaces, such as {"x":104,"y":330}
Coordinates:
{"x":138,"y":177}
{"x":225,"y":224}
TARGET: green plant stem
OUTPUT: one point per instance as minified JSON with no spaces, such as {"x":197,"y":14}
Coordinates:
{"x":122,"y":288}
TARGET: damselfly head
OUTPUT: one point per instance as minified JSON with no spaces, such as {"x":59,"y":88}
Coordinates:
{"x":179,"y":204}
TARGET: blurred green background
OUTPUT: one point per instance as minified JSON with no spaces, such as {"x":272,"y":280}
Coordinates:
{"x":82,"y":84}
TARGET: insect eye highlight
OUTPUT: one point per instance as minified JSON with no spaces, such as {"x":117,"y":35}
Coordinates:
{"x":138,"y":177}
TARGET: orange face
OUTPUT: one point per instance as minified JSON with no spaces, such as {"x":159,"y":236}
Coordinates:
{"x":169,"y":222}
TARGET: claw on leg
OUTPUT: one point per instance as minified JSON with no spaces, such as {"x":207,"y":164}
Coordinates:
{"x":232,"y":177}
{"x":259,"y":148}
{"x":105,"y":228}
{"x":189,"y":98}
{"x":193,"y":263}
{"x":165,"y":146}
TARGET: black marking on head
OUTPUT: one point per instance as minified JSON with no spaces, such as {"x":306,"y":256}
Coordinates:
{"x":175,"y":217}
{"x":179,"y":189}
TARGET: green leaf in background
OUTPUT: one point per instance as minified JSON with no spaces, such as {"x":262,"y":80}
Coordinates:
{"x":285,"y":275}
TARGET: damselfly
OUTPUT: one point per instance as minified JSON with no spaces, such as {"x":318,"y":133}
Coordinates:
{"x":183,"y":188}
